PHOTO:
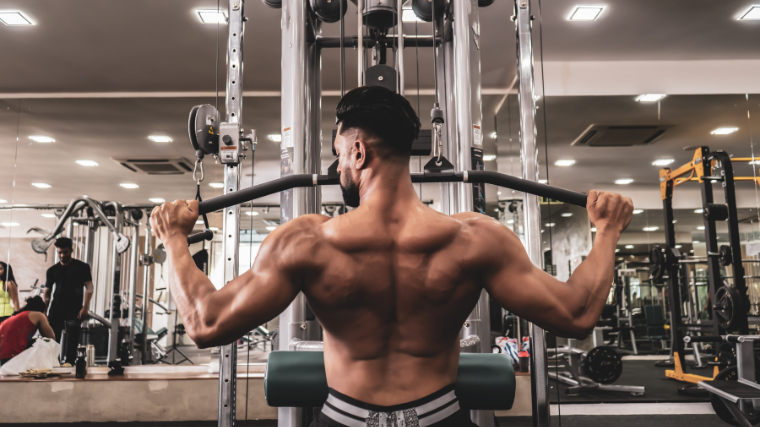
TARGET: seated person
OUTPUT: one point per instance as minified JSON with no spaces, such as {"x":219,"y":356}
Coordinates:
{"x":17,"y":331}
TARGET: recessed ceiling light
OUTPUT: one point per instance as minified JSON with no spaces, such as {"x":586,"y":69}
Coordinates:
{"x":275,"y":137}
{"x":270,"y":228}
{"x":674,"y":221}
{"x":511,"y":221}
{"x":253,"y":213}
{"x":3,"y":201}
{"x":48,"y":215}
{"x":157,"y":200}
{"x":9,"y":224}
{"x":494,"y":135}
{"x":648,"y":229}
{"x":216,"y":185}
{"x":564,"y":162}
{"x":662,"y":162}
{"x":211,"y":16}
{"x":693,"y":242}
{"x":586,"y":13}
{"x":214,"y":228}
{"x":41,"y":185}
{"x":593,"y":229}
{"x":408,"y":15}
{"x":199,"y":222}
{"x":549,"y":224}
{"x":567,"y":215}
{"x":629,"y":246}
{"x":160,"y":138}
{"x":701,"y":227}
{"x":678,"y":246}
{"x":623,"y":181}
{"x":637,"y":211}
{"x":724,"y":131}
{"x":489,"y":157}
{"x":650,"y":97}
{"x":752,"y":14}
{"x":87,"y":163}
{"x":14,"y":18}
{"x":699,"y":211}
{"x":542,"y":181}
{"x":129,"y":185}
{"x":617,"y":250}
{"x":41,"y":139}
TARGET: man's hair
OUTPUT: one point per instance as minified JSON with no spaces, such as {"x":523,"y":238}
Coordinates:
{"x":63,"y":243}
{"x":34,"y":304}
{"x":380,"y":113}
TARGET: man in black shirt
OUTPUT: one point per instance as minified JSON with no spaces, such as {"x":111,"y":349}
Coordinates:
{"x":73,"y":292}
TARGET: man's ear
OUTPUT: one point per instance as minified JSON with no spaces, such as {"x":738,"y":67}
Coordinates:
{"x":359,"y":153}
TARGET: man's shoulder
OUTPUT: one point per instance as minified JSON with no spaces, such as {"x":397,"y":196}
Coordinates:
{"x":80,"y":264}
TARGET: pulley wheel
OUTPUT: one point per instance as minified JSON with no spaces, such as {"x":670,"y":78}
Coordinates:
{"x":726,"y":258}
{"x":730,"y":374}
{"x":603,"y":365}
{"x":328,"y":11}
{"x":728,"y":303}
{"x":656,"y":263}
{"x":203,"y":129}
{"x":424,"y":10}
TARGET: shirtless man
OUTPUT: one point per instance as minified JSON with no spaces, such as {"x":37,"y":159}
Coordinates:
{"x":392,"y":281}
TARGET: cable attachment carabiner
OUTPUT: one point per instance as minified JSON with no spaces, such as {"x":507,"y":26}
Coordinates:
{"x":436,"y":117}
{"x":198,"y":165}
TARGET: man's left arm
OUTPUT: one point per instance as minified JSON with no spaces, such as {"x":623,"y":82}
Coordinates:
{"x":215,"y":317}
{"x":88,"y":290}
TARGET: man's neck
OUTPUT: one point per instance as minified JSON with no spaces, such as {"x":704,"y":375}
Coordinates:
{"x":67,"y":262}
{"x":388,"y":186}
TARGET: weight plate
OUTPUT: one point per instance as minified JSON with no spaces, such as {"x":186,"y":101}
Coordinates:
{"x":729,"y":374}
{"x":603,"y":365}
{"x":327,"y":10}
{"x":728,"y":304}
{"x":656,"y":263}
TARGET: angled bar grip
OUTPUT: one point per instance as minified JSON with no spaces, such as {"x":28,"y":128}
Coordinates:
{"x":199,"y":237}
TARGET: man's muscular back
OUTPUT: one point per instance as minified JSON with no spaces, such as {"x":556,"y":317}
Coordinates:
{"x":392,"y":293}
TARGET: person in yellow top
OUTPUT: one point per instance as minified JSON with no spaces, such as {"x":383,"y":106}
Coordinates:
{"x":8,"y":292}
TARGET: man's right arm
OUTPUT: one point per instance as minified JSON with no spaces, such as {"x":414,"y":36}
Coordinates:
{"x":48,"y":287}
{"x":569,"y":308}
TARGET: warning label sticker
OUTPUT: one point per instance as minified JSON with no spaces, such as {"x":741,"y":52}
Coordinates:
{"x":477,"y":136}
{"x":287,"y":139}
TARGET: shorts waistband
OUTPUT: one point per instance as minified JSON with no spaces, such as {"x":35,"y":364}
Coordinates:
{"x":419,"y":413}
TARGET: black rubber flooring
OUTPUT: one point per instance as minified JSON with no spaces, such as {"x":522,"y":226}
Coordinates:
{"x":566,"y":421}
{"x":639,"y":373}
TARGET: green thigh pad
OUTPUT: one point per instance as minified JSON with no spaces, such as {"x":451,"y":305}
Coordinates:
{"x":297,"y":379}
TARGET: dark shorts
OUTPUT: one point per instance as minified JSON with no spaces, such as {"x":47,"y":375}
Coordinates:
{"x":440,"y":409}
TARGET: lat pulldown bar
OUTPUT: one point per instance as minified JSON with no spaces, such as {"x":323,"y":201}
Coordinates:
{"x":308,"y":180}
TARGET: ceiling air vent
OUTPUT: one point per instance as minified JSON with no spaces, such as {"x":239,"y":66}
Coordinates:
{"x":620,"y":135}
{"x":157,"y":166}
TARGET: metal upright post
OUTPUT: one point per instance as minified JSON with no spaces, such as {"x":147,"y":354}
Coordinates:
{"x":133,"y":264}
{"x":449,"y":191}
{"x":469,"y":118}
{"x":531,"y":206}
{"x":231,"y":220}
{"x":360,"y":45}
{"x":299,"y":153}
{"x":400,"y":45}
{"x":146,"y":288}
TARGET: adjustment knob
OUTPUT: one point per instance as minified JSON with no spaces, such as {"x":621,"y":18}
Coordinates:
{"x":227,"y":140}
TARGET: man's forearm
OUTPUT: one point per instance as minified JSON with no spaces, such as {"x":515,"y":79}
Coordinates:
{"x":189,"y":286}
{"x":595,"y":274}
